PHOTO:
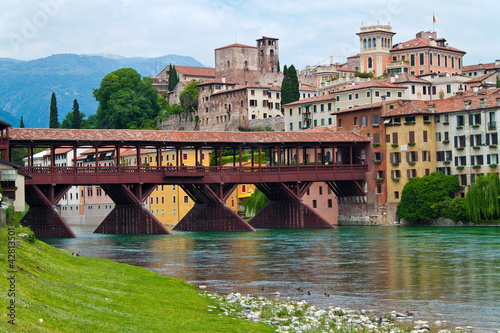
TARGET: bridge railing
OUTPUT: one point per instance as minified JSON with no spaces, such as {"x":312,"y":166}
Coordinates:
{"x":194,"y":170}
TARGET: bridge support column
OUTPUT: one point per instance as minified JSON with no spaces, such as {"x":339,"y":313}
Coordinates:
{"x":42,"y":217}
{"x":210,"y":212}
{"x":129,"y":215}
{"x":286,"y":210}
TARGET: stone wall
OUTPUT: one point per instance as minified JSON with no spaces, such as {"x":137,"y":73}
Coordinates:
{"x":178,"y":122}
{"x":276,"y":123}
{"x":355,"y":211}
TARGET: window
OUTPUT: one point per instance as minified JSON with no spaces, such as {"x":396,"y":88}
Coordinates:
{"x":448,"y":88}
{"x":378,"y":156}
{"x":411,"y":156}
{"x":388,"y":93}
{"x":322,"y":107}
{"x":356,"y":96}
{"x":475,"y":140}
{"x":463,"y":180}
{"x":186,"y":199}
{"x":329,"y":106}
{"x":376,"y":119}
{"x":315,"y":122}
{"x":426,"y":156}
{"x":322,"y":122}
{"x":337,"y":98}
{"x":329,"y":121}
{"x":368,"y":94}
{"x":300,"y":125}
{"x":438,"y":136}
{"x":460,"y":120}
{"x":330,"y":203}
{"x":492,"y":159}
{"x":395,"y":158}
{"x":395,"y":174}
{"x":411,"y":173}
{"x":412,"y":60}
{"x":290,"y":112}
{"x":492,"y":138}
{"x":173,"y":199}
{"x":340,"y":123}
{"x":476,"y":160}
{"x":475,"y":119}
{"x":350,"y":97}
{"x":413,"y":89}
{"x":320,"y":190}
{"x":379,"y":189}
{"x":400,"y":94}
{"x":421,"y":58}
{"x":460,"y":161}
{"x":395,"y":138}
{"x":355,"y":121}
{"x":363,"y":121}
{"x":377,"y":93}
{"x":291,"y":126}
{"x":315,"y":204}
{"x":425,"y":136}
{"x":396,"y":195}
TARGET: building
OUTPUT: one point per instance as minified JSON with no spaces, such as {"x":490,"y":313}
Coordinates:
{"x":318,"y":111}
{"x":375,"y":44}
{"x":186,"y":75}
{"x":481,"y":69}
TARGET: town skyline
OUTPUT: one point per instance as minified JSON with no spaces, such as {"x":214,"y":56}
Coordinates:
{"x":308,"y":34}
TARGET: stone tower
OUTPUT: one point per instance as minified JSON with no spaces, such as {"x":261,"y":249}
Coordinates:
{"x":375,"y":43}
{"x":268,"y":54}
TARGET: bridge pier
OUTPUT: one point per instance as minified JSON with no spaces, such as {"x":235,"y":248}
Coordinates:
{"x":129,"y":215}
{"x":42,"y":217}
{"x":210,"y":212}
{"x":286,"y":210}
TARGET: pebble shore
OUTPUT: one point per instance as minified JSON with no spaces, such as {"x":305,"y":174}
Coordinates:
{"x":291,"y":316}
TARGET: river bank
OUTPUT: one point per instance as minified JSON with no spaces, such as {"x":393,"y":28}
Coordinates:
{"x":286,"y":315}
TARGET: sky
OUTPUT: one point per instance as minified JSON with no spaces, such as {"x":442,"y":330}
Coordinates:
{"x":309,"y":32}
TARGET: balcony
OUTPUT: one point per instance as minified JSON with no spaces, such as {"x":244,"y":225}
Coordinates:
{"x":398,"y":67}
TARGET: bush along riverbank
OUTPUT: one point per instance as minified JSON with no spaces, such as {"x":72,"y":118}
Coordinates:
{"x":285,"y":315}
{"x":44,"y":289}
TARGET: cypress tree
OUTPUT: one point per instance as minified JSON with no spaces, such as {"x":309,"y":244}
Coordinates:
{"x":76,"y":121}
{"x":173,"y":77}
{"x":290,"y":86}
{"x":21,"y":124}
{"x":53,"y":121}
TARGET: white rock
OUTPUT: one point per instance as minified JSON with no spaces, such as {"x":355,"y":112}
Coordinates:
{"x":290,"y":307}
{"x":277,"y":293}
{"x":319,"y":313}
{"x":201,"y":287}
{"x":40,"y":320}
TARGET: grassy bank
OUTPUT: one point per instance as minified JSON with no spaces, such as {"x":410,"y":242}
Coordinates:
{"x":58,"y":292}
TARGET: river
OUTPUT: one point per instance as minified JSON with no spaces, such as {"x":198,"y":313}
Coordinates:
{"x":437,"y":273}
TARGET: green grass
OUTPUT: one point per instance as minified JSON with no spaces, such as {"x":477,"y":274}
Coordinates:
{"x":79,"y":294}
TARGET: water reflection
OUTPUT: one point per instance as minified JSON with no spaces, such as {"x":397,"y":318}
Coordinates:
{"x":430,"y":271}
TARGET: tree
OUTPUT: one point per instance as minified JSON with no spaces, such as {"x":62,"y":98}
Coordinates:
{"x":189,"y":97}
{"x":77,"y":119}
{"x":255,"y":202}
{"x":422,"y":198}
{"x":21,"y":124}
{"x":481,"y":200}
{"x":53,"y":119}
{"x":278,"y":69}
{"x":173,"y":77}
{"x":125,"y":100}
{"x":498,"y":81}
{"x":290,"y":86}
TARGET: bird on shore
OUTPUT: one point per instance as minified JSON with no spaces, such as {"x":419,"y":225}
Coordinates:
{"x":308,"y":292}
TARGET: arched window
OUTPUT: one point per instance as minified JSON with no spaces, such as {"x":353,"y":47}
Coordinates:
{"x":369,"y":42}
{"x":271,"y":53}
{"x":364,"y":43}
{"x":228,"y":64}
{"x":370,"y":63}
{"x":374,"y":42}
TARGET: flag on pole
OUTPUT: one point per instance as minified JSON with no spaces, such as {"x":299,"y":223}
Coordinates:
{"x":433,"y":19}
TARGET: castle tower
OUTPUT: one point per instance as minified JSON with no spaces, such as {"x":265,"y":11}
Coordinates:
{"x":375,"y":43}
{"x":268,"y":54}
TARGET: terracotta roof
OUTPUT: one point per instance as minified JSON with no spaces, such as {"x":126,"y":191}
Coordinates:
{"x":481,"y":78}
{"x":478,"y":67}
{"x":345,"y":69}
{"x":354,"y":56}
{"x":371,"y":84}
{"x":360,"y":107}
{"x":417,"y":43}
{"x":210,"y":82}
{"x":403,"y":78}
{"x":319,"y":98}
{"x":409,"y":108}
{"x":236,"y":45}
{"x":58,"y":151}
{"x":457,"y":102}
{"x":170,"y":138}
{"x":196,"y":71}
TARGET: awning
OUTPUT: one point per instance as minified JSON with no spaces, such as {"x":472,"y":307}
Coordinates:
{"x":387,"y":121}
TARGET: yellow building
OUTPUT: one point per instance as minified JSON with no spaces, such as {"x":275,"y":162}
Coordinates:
{"x":411,"y":146}
{"x":168,"y":203}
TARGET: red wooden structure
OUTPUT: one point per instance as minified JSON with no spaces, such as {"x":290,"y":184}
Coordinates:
{"x":297,"y":159}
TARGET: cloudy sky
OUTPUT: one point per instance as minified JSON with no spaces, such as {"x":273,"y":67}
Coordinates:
{"x":309,"y":32}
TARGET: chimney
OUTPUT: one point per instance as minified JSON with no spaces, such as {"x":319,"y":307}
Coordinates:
{"x":480,"y":66}
{"x":431,"y":107}
{"x":497,"y":63}
{"x":498,"y":101}
{"x":223,"y":79}
{"x":482,"y":102}
{"x":467,"y":105}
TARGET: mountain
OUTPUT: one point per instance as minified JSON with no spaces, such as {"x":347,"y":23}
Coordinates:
{"x":26,"y":86}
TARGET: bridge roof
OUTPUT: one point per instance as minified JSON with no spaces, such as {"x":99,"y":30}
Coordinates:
{"x":146,"y":137}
